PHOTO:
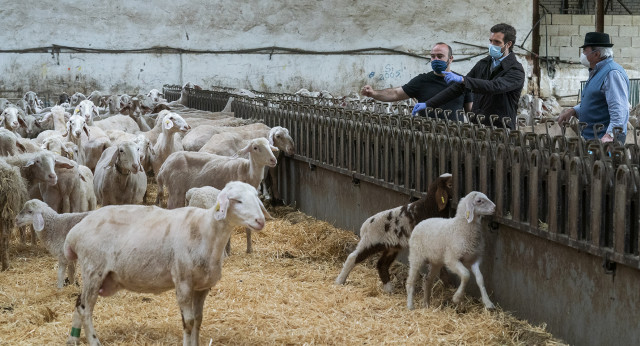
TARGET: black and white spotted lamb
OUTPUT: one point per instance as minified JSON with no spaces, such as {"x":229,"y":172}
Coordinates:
{"x":389,"y":231}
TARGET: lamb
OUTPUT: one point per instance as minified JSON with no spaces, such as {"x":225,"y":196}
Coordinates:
{"x":156,"y":96}
{"x":9,"y":144}
{"x":34,"y":105}
{"x":93,"y":142}
{"x":456,"y":243}
{"x":76,"y":99}
{"x":184,"y":169}
{"x":389,"y":231}
{"x":59,"y":117}
{"x":13,"y":194}
{"x":96,"y":98}
{"x":157,"y":250}
{"x":119,"y":177}
{"x":167,"y":143}
{"x":118,"y":122}
{"x":51,"y":228}
{"x":215,"y":135}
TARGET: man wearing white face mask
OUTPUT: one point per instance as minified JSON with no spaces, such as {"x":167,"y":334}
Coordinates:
{"x":496,"y":80}
{"x":605,"y":96}
{"x":426,"y":85}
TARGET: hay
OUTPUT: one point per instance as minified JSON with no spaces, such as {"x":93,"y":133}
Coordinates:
{"x":283,"y":293}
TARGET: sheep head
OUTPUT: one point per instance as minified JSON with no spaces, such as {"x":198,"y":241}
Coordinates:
{"x":31,"y":214}
{"x":444,"y":186}
{"x":11,"y":119}
{"x":260,"y":151}
{"x":280,"y":138}
{"x":126,"y":158}
{"x":174,"y":123}
{"x":238,"y":203}
{"x":476,"y":204}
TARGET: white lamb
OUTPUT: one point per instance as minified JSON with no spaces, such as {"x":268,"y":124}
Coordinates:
{"x":119,"y":177}
{"x":156,"y":250}
{"x":51,"y":228}
{"x":167,"y":143}
{"x":456,"y":243}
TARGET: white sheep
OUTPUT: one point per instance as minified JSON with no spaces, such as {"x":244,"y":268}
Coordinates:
{"x":456,"y":243}
{"x":389,"y":231}
{"x":185,"y":169}
{"x":156,"y":96}
{"x":9,"y":144}
{"x":156,"y":250}
{"x":58,"y":117}
{"x":92,"y":142}
{"x":197,"y":138}
{"x":119,"y":177}
{"x":76,"y":99}
{"x":73,"y":191}
{"x":167,"y":143}
{"x":51,"y":228}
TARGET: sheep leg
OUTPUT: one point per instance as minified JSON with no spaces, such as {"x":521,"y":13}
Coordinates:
{"x":385,"y":261}
{"x":186,"y":297}
{"x":227,"y":248}
{"x":475,"y":268}
{"x":427,"y":284}
{"x":464,"y":274}
{"x":358,"y":255}
{"x":34,"y":236}
{"x":23,"y":237}
{"x":198,"y":305}
{"x":4,"y":245}
{"x":61,"y":269}
{"x":71,"y":272}
{"x":66,"y":204}
{"x":249,"y":249}
{"x":83,"y":314}
{"x":414,"y":270}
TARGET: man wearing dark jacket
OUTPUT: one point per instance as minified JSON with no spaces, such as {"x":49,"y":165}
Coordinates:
{"x":496,"y":81}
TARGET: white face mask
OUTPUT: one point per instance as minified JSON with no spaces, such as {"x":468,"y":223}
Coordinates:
{"x":584,"y":61}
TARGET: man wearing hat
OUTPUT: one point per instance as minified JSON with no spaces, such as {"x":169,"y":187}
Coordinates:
{"x":605,"y":96}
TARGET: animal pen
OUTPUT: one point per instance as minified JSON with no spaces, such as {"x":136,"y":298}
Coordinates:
{"x":563,"y":247}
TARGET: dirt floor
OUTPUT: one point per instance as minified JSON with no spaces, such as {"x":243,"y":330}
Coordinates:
{"x":283,"y":293}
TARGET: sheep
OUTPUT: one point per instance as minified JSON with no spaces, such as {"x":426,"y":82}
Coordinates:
{"x":59,"y":146}
{"x":167,"y":143}
{"x":11,"y":120}
{"x":119,"y":177}
{"x":59,"y":117}
{"x":389,"y":230}
{"x":184,"y":169}
{"x":118,"y":122}
{"x":34,"y":105}
{"x":96,"y":98}
{"x":92,"y":143}
{"x":64,"y":98}
{"x":73,"y":192}
{"x":51,"y":228}
{"x":456,"y":243}
{"x":207,"y":138}
{"x":157,"y":250}
{"x":13,"y":194}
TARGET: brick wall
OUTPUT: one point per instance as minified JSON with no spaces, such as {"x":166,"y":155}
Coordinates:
{"x":588,"y":7}
{"x":562,"y":34}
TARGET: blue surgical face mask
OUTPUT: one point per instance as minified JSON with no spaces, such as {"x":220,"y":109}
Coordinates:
{"x":495,"y":51}
{"x":438,"y":66}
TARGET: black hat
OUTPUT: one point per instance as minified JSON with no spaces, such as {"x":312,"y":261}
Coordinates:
{"x":597,"y":39}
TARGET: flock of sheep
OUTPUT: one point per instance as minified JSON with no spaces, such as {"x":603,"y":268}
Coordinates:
{"x":66,"y":162}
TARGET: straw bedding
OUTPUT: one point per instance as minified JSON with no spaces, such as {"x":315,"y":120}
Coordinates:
{"x":283,"y":293}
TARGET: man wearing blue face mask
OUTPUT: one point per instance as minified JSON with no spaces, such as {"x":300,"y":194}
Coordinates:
{"x":427,"y":85}
{"x":605,"y":96}
{"x":496,"y":80}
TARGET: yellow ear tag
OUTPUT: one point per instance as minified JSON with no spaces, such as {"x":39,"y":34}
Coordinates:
{"x":442,"y":199}
{"x":467,"y":214}
{"x":77,"y":110}
{"x":217,"y":206}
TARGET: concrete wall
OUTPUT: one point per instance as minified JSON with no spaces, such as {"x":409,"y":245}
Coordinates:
{"x":331,"y":25}
{"x":560,"y":37}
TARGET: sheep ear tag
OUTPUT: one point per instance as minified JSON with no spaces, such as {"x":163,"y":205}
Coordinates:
{"x":168,"y":123}
{"x":38,"y":222}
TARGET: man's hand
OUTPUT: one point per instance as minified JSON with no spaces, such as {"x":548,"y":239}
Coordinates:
{"x":606,"y":138}
{"x":566,"y":115}
{"x":452,"y":77}
{"x":367,"y":90}
{"x":417,"y":108}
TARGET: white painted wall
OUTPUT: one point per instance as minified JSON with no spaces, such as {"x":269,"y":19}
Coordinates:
{"x":329,"y":25}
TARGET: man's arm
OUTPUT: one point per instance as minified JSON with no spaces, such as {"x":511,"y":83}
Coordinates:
{"x":617,"y":95}
{"x":513,"y":79}
{"x":468,"y":106}
{"x":385,"y":95}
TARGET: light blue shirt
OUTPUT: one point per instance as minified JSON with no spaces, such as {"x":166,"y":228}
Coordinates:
{"x":495,"y":63}
{"x":616,"y":92}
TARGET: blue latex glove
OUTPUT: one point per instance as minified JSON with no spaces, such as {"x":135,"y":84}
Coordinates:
{"x":417,"y":108}
{"x":452,"y":77}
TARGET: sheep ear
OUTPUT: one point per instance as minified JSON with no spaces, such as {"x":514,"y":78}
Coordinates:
{"x":22,"y":122}
{"x":38,"y":222}
{"x":29,"y":163}
{"x":21,"y":147}
{"x":167,"y":123}
{"x":244,"y":150}
{"x":86,"y":130}
{"x":274,"y":149}
{"x":270,"y":138}
{"x":470,"y":208}
{"x":96,"y":111}
{"x":114,"y":158}
{"x":442,"y":197}
{"x":62,"y":162}
{"x":222,"y":204}
{"x":267,"y":216}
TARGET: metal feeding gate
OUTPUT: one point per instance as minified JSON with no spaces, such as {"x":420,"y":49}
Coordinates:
{"x":559,"y":192}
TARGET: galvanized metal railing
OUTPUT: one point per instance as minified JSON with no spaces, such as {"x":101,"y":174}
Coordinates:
{"x":579,"y":193}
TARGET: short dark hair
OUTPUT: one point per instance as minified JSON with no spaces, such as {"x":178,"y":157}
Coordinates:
{"x":448,"y":46}
{"x":508,"y":31}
